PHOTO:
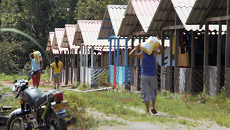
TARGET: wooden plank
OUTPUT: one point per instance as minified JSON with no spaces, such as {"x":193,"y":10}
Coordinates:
{"x":227,"y":82}
{"x":218,"y":63}
{"x":173,"y":27}
{"x":217,"y":19}
{"x":176,"y":79}
{"x":162,"y":44}
{"x":162,"y":78}
{"x":78,"y":65}
{"x":213,"y":81}
{"x":207,"y":79}
{"x":206,"y":51}
{"x":167,"y":15}
{"x":138,"y":70}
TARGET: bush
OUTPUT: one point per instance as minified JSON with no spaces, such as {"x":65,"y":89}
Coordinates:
{"x":103,"y":79}
{"x":83,"y":86}
{"x":75,"y":85}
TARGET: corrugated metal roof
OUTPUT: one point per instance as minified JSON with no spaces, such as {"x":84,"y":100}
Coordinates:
{"x":165,"y":16}
{"x":112,"y":18}
{"x":68,"y":37}
{"x":201,"y":10}
{"x":138,"y":16}
{"x":58,"y":36}
{"x":50,"y":41}
{"x":87,"y":32}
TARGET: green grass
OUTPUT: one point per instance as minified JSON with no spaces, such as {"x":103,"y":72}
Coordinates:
{"x":6,"y":90}
{"x":1,"y":85}
{"x":215,"y":109}
{"x":3,"y":77}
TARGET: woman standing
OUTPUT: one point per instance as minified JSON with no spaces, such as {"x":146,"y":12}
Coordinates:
{"x":58,"y":68}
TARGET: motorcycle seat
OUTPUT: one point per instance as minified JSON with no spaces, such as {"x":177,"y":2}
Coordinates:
{"x":43,"y":99}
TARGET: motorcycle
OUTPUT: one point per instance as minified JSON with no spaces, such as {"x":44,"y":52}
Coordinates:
{"x":38,"y":111}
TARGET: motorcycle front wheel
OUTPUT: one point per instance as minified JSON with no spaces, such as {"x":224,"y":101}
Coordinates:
{"x":15,"y":122}
{"x":55,"y":123}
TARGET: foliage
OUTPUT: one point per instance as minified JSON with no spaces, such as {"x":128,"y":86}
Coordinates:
{"x":83,"y":86}
{"x":75,"y":85}
{"x":38,"y":18}
{"x":78,"y":110}
{"x":7,"y":64}
{"x":6,"y":90}
{"x":103,"y":79}
{"x":94,"y":9}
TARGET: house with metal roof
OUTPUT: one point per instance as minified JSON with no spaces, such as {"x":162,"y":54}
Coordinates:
{"x":170,"y":20}
{"x":70,"y":73}
{"x":119,"y":72}
{"x":57,"y":39}
{"x":135,"y":23}
{"x":86,"y":36}
{"x":207,"y":13}
{"x":50,"y":50}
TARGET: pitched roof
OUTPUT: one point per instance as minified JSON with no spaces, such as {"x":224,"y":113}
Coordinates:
{"x":87,"y":32}
{"x":58,"y":36}
{"x":165,"y":15}
{"x":50,"y":41}
{"x":111,"y":20}
{"x":138,"y":16}
{"x":205,"y":9}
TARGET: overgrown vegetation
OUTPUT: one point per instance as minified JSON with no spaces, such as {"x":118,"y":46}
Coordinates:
{"x":103,"y":79}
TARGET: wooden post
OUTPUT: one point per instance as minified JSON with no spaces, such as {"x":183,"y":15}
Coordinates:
{"x":206,"y":49}
{"x":138,"y":69}
{"x":110,"y":56}
{"x":162,"y":44}
{"x":227,"y":52}
{"x":126,"y":61}
{"x":163,"y":87}
{"x":192,"y":57}
{"x":81,"y":64}
{"x":176,"y":69}
{"x":67,"y":68}
{"x":92,"y":70}
{"x":132,"y":61}
{"x":218,"y":63}
{"x":51,"y":72}
{"x":78,"y":65}
{"x":84,"y":64}
{"x":171,"y":74}
{"x":118,"y":51}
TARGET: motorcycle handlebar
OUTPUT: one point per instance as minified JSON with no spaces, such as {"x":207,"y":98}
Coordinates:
{"x":33,"y":72}
{"x":18,"y":93}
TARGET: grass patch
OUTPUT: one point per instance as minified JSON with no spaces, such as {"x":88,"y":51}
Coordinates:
{"x":4,"y":77}
{"x":6,"y":90}
{"x":1,"y":85}
{"x":215,"y":109}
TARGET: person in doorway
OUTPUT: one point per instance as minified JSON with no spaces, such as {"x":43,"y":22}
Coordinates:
{"x":148,"y":76}
{"x":36,"y":64}
{"x":58,"y":68}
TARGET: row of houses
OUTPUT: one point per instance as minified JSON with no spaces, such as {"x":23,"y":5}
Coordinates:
{"x":194,"y":33}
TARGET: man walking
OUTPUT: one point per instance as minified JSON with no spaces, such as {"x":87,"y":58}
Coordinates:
{"x":148,"y":76}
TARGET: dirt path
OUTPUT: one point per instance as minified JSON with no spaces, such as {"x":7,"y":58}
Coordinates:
{"x":154,"y":126}
{"x":138,"y":125}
